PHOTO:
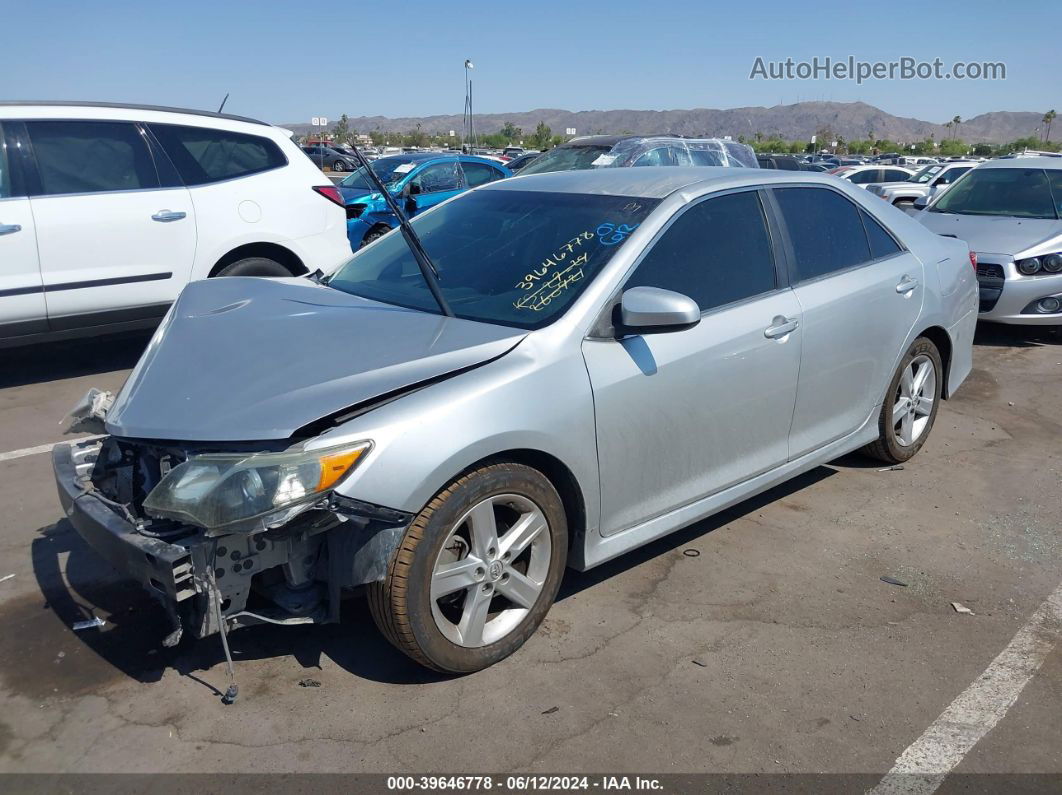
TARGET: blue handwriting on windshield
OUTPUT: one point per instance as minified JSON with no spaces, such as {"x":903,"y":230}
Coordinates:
{"x":610,"y":234}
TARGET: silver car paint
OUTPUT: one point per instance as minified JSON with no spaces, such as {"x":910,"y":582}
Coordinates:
{"x":539,"y":397}
{"x":270,"y":356}
{"x":1003,"y":241}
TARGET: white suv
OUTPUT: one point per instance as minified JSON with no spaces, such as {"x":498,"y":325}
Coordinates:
{"x":107,"y":211}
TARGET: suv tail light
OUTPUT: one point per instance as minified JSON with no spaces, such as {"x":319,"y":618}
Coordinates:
{"x":973,"y":259}
{"x":330,"y":192}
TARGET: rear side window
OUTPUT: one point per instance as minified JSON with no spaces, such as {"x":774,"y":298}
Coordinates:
{"x":881,"y":242}
{"x":865,"y":177}
{"x":825,"y":230}
{"x":895,"y":175}
{"x":5,"y":171}
{"x":480,"y":174}
{"x":717,"y":252}
{"x":90,"y":157}
{"x":203,"y":155}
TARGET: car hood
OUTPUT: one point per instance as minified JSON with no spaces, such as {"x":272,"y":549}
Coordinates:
{"x":988,"y":234}
{"x":245,"y":359}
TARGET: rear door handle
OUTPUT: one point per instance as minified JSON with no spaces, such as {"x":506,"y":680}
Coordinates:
{"x":10,"y":229}
{"x":906,"y":284}
{"x":165,"y":216}
{"x":780,"y":326}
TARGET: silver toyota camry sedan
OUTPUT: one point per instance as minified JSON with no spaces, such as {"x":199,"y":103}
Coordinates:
{"x":541,"y":373}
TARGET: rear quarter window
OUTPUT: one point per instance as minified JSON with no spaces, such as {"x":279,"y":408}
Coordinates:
{"x":203,"y":155}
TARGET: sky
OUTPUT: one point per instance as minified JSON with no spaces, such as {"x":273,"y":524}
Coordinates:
{"x":285,"y":62}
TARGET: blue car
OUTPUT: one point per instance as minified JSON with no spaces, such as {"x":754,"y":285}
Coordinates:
{"x":418,"y":181}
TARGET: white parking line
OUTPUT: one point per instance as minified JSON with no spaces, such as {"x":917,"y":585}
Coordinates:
{"x":923,"y":766}
{"x":41,"y":448}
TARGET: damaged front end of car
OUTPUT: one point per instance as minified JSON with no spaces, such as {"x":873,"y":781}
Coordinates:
{"x":231,"y":537}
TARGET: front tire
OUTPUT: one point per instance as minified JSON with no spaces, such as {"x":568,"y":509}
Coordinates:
{"x":339,"y":166}
{"x":910,"y":406}
{"x":477,"y":570}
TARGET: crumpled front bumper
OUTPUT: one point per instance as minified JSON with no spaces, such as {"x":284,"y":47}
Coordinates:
{"x":164,"y":569}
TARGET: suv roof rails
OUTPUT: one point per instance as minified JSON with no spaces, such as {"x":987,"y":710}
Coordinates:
{"x":130,"y":106}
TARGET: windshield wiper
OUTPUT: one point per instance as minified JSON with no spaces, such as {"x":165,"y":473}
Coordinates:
{"x":427,"y":267}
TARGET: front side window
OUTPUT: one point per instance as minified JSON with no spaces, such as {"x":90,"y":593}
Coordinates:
{"x":951,"y":175}
{"x":436,"y":177}
{"x":718,"y":251}
{"x":90,"y":157}
{"x":203,"y":155}
{"x":515,"y":258}
{"x":825,"y":230}
{"x":1013,"y":192}
{"x":924,"y":175}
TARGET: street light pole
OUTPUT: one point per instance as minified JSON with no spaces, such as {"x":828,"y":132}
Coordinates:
{"x":470,"y":125}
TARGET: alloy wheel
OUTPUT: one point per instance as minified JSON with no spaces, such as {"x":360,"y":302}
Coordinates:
{"x":490,"y":570}
{"x":914,"y":400}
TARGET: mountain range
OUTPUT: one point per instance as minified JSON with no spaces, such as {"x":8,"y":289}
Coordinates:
{"x":852,"y":120}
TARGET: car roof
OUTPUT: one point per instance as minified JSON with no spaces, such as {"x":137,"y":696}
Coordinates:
{"x":652,"y":182}
{"x":7,"y":103}
{"x":1054,"y":163}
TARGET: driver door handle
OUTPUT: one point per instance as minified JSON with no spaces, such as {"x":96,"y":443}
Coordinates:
{"x":165,"y":216}
{"x":906,"y":284}
{"x":780,"y":327}
{"x":10,"y":229}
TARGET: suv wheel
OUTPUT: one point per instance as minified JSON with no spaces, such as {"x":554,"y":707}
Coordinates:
{"x":910,"y":406}
{"x":339,"y":166}
{"x":254,"y":266}
{"x":476,"y":571}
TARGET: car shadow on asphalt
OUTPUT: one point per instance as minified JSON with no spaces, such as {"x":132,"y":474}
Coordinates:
{"x":54,"y":361}
{"x":130,"y":644}
{"x":999,"y":334}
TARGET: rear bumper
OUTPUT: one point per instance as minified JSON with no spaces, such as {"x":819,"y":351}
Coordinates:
{"x":164,"y":569}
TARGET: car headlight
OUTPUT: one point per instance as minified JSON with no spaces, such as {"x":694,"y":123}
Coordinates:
{"x":221,"y":491}
{"x":1052,"y":263}
{"x":1029,"y":266}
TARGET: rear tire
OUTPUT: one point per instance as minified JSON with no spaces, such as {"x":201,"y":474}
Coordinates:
{"x":910,"y":406}
{"x":477,"y":570}
{"x":255,"y":266}
{"x":339,"y":167}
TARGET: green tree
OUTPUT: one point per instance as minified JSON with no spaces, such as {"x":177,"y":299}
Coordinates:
{"x":1048,"y":118}
{"x":341,"y":132}
{"x":510,"y":132}
{"x":540,"y":138}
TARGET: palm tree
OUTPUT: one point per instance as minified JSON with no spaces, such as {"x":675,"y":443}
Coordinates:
{"x":1048,"y":118}
{"x":956,"y":121}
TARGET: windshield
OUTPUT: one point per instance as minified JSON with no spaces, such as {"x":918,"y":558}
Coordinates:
{"x":1011,"y":192}
{"x":925,"y":174}
{"x":567,"y":158}
{"x":516,"y":258}
{"x":390,"y":170}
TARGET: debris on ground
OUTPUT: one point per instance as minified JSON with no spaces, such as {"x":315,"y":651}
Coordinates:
{"x":961,"y":608}
{"x":895,"y":468}
{"x":894,"y":581}
{"x":309,"y":683}
{"x":89,"y":414}
{"x":550,"y":711}
{"x":95,"y":621}
{"x":699,"y":662}
{"x":691,"y":553}
{"x":855,"y":717}
{"x":6,"y":577}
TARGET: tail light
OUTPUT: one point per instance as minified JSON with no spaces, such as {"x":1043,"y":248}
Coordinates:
{"x":330,"y":192}
{"x":973,"y":259}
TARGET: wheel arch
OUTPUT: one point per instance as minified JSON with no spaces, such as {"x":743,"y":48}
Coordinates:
{"x":942,"y":340}
{"x":273,"y":251}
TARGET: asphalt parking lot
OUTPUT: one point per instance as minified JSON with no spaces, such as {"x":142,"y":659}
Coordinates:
{"x":762,"y":640}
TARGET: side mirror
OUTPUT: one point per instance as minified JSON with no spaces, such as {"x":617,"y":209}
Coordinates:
{"x":652,"y":310}
{"x":921,"y":202}
{"x":407,"y":190}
